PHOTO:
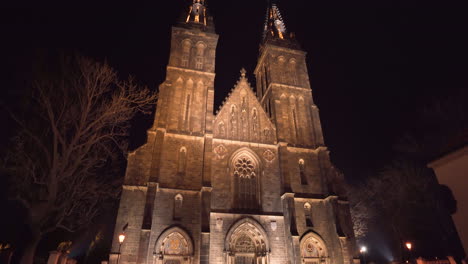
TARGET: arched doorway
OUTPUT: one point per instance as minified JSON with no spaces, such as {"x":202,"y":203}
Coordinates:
{"x":247,"y":243}
{"x":174,"y":246}
{"x":313,"y":249}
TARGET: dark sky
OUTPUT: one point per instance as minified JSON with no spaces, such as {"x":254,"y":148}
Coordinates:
{"x":371,"y":63}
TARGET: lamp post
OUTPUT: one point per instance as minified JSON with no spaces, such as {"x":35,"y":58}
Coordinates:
{"x":409,"y":246}
{"x":363,"y":252}
{"x":121,"y":240}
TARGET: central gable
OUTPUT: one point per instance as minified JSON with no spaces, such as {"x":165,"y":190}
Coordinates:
{"x":243,"y":118}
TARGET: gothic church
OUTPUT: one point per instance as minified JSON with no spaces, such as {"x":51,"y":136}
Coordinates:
{"x":251,"y":184}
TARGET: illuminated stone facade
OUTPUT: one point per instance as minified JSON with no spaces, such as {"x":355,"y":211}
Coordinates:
{"x":251,"y":184}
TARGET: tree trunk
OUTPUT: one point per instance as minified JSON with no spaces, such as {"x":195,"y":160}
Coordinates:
{"x":30,"y":249}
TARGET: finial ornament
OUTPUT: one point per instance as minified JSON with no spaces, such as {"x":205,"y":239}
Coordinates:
{"x":243,"y":71}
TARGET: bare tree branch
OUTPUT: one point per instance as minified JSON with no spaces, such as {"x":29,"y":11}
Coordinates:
{"x":79,"y":126}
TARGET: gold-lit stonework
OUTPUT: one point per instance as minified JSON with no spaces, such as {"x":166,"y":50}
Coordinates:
{"x":250,"y":183}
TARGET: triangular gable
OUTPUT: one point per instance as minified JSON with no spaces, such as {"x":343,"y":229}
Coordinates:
{"x":242,"y":117}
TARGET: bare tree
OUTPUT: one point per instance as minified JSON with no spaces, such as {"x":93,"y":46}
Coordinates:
{"x":362,"y":212}
{"x":77,"y":125}
{"x":401,"y":195}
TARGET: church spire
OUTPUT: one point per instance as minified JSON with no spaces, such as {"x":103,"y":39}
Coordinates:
{"x":274,"y":24}
{"x":275,"y":31}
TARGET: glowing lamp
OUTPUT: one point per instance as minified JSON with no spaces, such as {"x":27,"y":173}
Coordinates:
{"x":408,"y":245}
{"x":121,"y":238}
{"x":363,"y":250}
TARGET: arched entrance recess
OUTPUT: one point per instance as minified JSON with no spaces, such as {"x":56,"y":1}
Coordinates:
{"x":174,"y":246}
{"x":247,"y":243}
{"x":313,"y":249}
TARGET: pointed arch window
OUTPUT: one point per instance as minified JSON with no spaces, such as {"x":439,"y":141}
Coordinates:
{"x":178,"y":200}
{"x":199,"y":59}
{"x":293,"y":71}
{"x":308,"y":215}
{"x":182,"y":161}
{"x":186,"y":46}
{"x":302,"y":172}
{"x":246,"y":182}
{"x":282,"y":73}
{"x":187,"y":104}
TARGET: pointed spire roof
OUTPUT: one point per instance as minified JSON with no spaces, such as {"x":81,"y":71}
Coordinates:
{"x":275,"y":29}
{"x":198,"y":16}
{"x":274,"y":24}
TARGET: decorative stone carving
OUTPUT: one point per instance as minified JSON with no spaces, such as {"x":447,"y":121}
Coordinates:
{"x":268,"y":155}
{"x":244,"y":168}
{"x":219,"y":224}
{"x":220,"y":151}
{"x":221,"y":129}
{"x":273,"y":225}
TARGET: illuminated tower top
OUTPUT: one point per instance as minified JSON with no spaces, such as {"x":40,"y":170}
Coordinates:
{"x":275,"y":31}
{"x":198,"y":16}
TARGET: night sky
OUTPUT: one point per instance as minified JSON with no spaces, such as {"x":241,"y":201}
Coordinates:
{"x":371,"y":63}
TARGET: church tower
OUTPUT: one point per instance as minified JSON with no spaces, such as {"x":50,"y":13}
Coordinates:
{"x":251,"y":184}
{"x":167,"y":183}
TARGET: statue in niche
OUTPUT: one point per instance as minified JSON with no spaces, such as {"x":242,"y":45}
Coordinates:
{"x":221,"y":129}
{"x":244,"y":104}
{"x":233,"y":120}
{"x":254,"y":121}
{"x":244,"y":122}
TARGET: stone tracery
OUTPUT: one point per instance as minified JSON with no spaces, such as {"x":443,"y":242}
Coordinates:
{"x":246,"y":243}
{"x":174,"y":246}
{"x":246,"y":183}
{"x":313,"y":249}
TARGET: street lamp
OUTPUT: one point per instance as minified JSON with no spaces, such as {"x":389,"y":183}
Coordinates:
{"x":363,"y":252}
{"x":121,"y":240}
{"x":409,"y":246}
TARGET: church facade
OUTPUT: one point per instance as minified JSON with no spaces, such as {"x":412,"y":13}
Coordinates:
{"x":251,"y":184}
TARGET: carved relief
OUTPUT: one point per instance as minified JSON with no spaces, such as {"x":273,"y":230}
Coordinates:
{"x":254,"y":121}
{"x":313,"y":249}
{"x":243,"y":118}
{"x":273,"y":225}
{"x":268,"y":155}
{"x":221,"y":129}
{"x":220,"y":151}
{"x":233,"y":120}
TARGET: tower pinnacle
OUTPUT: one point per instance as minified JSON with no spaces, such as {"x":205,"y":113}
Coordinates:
{"x":198,"y":13}
{"x":275,"y":31}
{"x":274,"y":24}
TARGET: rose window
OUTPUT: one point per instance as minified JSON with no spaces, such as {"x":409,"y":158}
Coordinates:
{"x":244,"y":168}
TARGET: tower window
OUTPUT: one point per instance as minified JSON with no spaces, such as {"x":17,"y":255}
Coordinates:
{"x":182,"y":161}
{"x":185,"y":60}
{"x":293,"y":71}
{"x":186,"y":112}
{"x":302,"y":172}
{"x":186,"y":45}
{"x":178,"y":200}
{"x":199,"y":63}
{"x":308,"y":214}
{"x":200,"y":54}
